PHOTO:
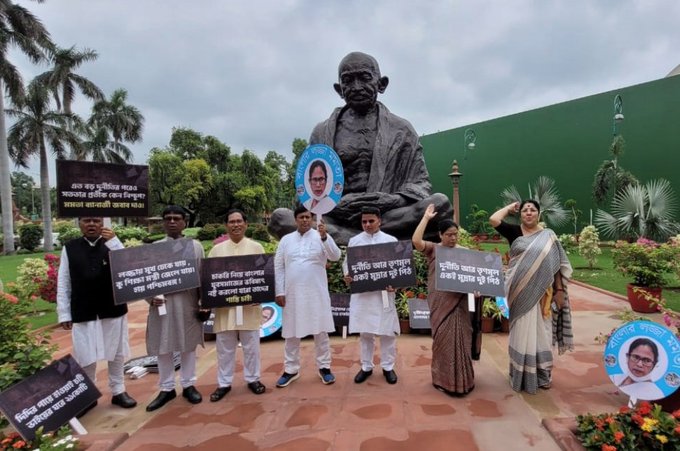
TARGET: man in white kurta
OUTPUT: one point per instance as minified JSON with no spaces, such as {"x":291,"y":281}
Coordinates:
{"x":302,"y":291}
{"x":373,"y":313}
{"x":85,"y":305}
{"x":173,"y":326}
{"x":237,"y":323}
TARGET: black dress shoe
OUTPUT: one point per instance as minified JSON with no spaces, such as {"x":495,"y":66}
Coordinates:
{"x":257,"y":387}
{"x":192,"y":395}
{"x":362,"y":376}
{"x":123,"y":400}
{"x":219,"y":393}
{"x":162,"y":399}
{"x":390,"y":376}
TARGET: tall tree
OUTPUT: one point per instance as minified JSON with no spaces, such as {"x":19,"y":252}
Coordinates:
{"x":36,"y":127}
{"x":124,"y":121}
{"x":18,"y":28}
{"x":98,"y":146}
{"x":63,"y":81}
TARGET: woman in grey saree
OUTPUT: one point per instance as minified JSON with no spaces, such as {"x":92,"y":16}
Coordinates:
{"x":536,"y":289}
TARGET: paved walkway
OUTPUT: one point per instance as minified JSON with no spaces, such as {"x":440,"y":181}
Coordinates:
{"x":308,"y":415}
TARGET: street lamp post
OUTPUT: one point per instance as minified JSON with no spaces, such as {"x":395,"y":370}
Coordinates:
{"x":469,"y":138}
{"x":455,"y":179}
{"x":32,"y":185}
{"x":618,"y":113}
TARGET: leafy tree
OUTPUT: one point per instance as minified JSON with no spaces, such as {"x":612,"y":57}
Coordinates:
{"x":63,"y":81}
{"x":574,"y":213}
{"x":641,"y":211}
{"x":589,"y":245}
{"x":545,"y":193}
{"x":36,"y":127}
{"x":278,"y":169}
{"x":23,"y":185}
{"x":125,"y":122}
{"x":610,"y":178}
{"x":18,"y":28}
{"x":98,"y":146}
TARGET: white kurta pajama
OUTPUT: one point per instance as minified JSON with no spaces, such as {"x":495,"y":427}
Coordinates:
{"x":301,"y":277}
{"x":101,"y":339}
{"x":179,"y":330}
{"x":229,"y":333}
{"x":370,"y":317}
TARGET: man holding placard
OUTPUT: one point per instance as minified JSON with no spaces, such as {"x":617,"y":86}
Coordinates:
{"x":173,"y":326}
{"x":240,"y":323}
{"x":85,"y":305}
{"x":373,"y":313}
{"x":302,"y":291}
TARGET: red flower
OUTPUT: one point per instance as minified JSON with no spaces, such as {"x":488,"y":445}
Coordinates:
{"x":599,"y":424}
{"x":645,"y":408}
{"x":677,"y":430}
{"x":618,"y":436}
{"x":609,"y":420}
{"x":638,"y":419}
{"x":20,"y":444}
{"x":606,"y":447}
{"x":624,"y":409}
{"x":421,"y":296}
{"x":676,"y":414}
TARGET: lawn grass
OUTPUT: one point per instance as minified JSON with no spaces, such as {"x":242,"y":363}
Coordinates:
{"x":10,"y":263}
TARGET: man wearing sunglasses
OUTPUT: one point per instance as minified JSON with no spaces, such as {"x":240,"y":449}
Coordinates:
{"x":373,"y":313}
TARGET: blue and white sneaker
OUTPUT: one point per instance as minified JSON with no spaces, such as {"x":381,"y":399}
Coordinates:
{"x":286,"y":379}
{"x":326,"y":376}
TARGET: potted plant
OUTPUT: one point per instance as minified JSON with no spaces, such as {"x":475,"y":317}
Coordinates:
{"x":478,"y":222}
{"x":490,"y":314}
{"x":401,"y":303}
{"x":647,"y":262}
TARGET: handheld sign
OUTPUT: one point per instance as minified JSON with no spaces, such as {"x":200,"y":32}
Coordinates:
{"x":340,"y":310}
{"x":418,"y":314}
{"x":319,"y":179}
{"x":101,"y":189}
{"x":272,"y":319}
{"x":159,"y":268}
{"x":240,"y":280}
{"x":48,"y":398}
{"x":642,"y":359}
{"x":467,"y":271}
{"x":376,"y":266}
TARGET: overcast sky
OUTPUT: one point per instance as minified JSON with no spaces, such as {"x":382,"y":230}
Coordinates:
{"x":257,"y":74}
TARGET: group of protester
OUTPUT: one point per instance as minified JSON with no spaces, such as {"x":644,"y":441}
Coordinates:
{"x":536,"y":284}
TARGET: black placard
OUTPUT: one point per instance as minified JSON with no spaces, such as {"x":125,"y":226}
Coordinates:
{"x":159,"y":268}
{"x":101,"y":189}
{"x":340,"y":310}
{"x":48,"y":398}
{"x":376,"y":266}
{"x":467,"y":271}
{"x":239,"y":280}
{"x":419,"y":314}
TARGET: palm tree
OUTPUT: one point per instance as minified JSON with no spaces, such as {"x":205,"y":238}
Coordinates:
{"x":37,"y":126}
{"x":641,"y":211}
{"x":18,"y":28}
{"x":544,"y":192}
{"x":62,"y":78}
{"x":99,"y":147}
{"x":125,"y":122}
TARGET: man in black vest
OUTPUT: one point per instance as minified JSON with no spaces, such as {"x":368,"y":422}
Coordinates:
{"x":85,"y":306}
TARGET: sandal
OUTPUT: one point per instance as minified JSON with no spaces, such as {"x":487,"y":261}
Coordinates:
{"x":219,"y":393}
{"x":257,"y":387}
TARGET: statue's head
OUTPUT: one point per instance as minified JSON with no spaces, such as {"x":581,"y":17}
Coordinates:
{"x":359,"y":81}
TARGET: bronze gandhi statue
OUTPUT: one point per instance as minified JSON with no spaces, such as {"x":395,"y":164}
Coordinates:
{"x":381,"y":156}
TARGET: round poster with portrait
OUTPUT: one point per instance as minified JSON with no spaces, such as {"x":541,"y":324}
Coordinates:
{"x":272,"y":318}
{"x":642,"y":359}
{"x":319,"y":179}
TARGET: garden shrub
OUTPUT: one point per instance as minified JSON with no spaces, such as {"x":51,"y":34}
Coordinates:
{"x":258,"y":232}
{"x":589,"y":245}
{"x":22,"y":351}
{"x":30,"y":235}
{"x":125,"y":233}
{"x":210,"y":232}
{"x":68,"y":235}
{"x":29,"y":275}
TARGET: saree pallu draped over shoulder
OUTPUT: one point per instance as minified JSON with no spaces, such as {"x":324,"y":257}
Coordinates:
{"x":536,"y":321}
